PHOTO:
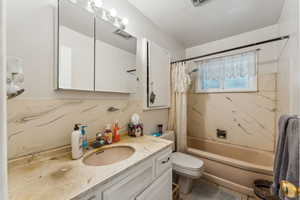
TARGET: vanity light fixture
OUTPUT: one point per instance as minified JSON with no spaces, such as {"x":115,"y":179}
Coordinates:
{"x":89,"y":7}
{"x":98,"y":3}
{"x":125,"y":21}
{"x":113,"y":12}
{"x":116,"y":23}
{"x":107,"y":15}
{"x":104,"y":15}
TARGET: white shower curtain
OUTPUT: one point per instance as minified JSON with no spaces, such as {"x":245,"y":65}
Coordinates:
{"x":178,"y":111}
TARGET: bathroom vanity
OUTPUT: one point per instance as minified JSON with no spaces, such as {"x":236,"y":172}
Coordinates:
{"x":145,"y":175}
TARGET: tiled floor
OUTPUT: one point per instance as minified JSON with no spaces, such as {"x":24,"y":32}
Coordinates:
{"x":204,"y":190}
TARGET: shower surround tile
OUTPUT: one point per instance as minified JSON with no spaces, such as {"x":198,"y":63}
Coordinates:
{"x":249,"y":118}
{"x":39,"y":125}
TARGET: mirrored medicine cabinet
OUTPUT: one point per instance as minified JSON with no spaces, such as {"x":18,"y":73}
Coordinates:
{"x":93,"y":54}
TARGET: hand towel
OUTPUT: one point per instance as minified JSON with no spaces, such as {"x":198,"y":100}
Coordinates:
{"x":280,"y":154}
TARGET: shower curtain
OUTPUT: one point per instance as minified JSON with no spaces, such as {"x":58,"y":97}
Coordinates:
{"x":178,"y":111}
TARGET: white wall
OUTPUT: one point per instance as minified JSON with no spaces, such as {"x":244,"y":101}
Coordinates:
{"x":31,"y":37}
{"x":259,"y":35}
{"x":3,"y":120}
{"x":288,"y":69}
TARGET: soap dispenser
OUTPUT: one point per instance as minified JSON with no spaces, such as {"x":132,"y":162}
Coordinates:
{"x":77,"y":140}
{"x":116,"y":133}
{"x":85,"y":143}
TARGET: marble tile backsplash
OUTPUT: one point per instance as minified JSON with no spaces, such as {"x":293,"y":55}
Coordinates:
{"x":248,"y":118}
{"x":38,"y":125}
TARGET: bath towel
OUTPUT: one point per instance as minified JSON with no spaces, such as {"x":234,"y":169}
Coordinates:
{"x":286,"y":165}
{"x":282,"y":129}
{"x":290,"y":171}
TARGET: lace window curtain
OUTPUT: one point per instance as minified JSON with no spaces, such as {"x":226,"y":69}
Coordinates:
{"x":237,"y":72}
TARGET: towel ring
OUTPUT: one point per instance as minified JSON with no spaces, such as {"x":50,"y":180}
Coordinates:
{"x":289,"y":190}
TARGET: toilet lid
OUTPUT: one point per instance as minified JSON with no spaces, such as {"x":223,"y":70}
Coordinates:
{"x":186,"y":161}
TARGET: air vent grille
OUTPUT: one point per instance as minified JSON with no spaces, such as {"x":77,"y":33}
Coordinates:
{"x":197,"y":3}
{"x":123,"y":34}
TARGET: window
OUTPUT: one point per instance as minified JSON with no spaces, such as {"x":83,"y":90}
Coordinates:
{"x":236,"y":73}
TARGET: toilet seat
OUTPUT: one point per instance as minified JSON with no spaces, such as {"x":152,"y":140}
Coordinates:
{"x":187,"y":165}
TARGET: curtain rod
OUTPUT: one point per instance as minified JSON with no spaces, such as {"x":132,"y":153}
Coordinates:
{"x":232,"y":49}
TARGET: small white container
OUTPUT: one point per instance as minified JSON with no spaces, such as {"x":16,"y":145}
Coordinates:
{"x":77,"y":139}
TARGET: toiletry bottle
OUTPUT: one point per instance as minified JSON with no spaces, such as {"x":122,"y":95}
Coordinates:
{"x":85,"y":143}
{"x":139,"y":131}
{"x":76,"y":141}
{"x":109,"y":134}
{"x":116,"y":135}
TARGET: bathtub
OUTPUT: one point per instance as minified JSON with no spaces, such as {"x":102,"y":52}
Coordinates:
{"x":232,"y":166}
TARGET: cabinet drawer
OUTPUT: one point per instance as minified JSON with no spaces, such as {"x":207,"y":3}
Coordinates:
{"x":132,"y":185}
{"x":163,"y":162}
{"x":90,"y":195}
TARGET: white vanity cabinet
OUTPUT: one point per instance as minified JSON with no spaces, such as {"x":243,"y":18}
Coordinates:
{"x":129,"y":187}
{"x":149,"y":180}
{"x":93,"y":194}
{"x":160,"y":189}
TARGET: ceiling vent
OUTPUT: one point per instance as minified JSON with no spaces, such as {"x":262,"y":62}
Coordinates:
{"x":123,"y":34}
{"x":197,"y":3}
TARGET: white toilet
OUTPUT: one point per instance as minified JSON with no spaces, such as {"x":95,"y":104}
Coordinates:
{"x":185,"y":166}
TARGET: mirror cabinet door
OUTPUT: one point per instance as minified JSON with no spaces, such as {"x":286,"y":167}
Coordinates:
{"x":115,"y":58}
{"x":159,"y":76}
{"x":76,"y":47}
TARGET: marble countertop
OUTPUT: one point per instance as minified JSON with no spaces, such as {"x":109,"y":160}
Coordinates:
{"x":56,"y":176}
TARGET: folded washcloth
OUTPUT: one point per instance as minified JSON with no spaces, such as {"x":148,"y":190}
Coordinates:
{"x":281,"y":156}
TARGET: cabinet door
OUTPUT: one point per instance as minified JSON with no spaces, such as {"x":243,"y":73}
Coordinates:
{"x":158,"y":72}
{"x":163,"y":162}
{"x":131,"y":186}
{"x":115,"y":57}
{"x":76,"y":48}
{"x":161,"y":189}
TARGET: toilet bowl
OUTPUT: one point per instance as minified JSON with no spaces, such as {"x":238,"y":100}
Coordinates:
{"x":187,"y":167}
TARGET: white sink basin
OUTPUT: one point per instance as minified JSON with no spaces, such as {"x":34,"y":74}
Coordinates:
{"x":109,"y":155}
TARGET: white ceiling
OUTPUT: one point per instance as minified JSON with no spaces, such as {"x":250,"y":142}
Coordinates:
{"x":212,"y":21}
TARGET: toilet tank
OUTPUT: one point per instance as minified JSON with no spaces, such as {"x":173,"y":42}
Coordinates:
{"x":169,"y":135}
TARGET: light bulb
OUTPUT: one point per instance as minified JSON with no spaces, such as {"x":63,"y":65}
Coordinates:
{"x":125,"y":21}
{"x":104,"y":15}
{"x":89,"y":6}
{"x":98,"y":3}
{"x":113,"y":12}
